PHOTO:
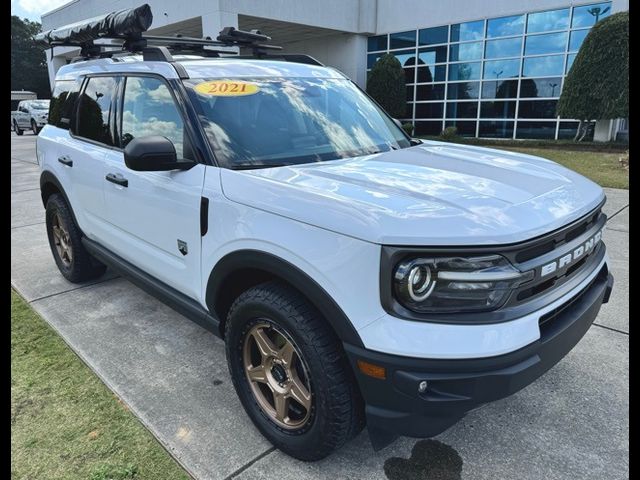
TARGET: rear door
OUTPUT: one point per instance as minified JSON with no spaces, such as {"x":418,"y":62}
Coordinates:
{"x":154,"y":217}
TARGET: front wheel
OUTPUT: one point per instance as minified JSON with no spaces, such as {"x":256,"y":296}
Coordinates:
{"x":18,"y":130}
{"x":291,"y":373}
{"x":34,"y":127}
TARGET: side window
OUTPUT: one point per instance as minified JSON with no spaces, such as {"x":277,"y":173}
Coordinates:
{"x":63,"y":99}
{"x":94,"y":110}
{"x":149,"y":109}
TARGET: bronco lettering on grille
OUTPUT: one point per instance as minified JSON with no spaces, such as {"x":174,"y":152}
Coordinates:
{"x":572,"y":256}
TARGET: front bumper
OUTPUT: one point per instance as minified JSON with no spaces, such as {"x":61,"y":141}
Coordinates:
{"x":395,"y":407}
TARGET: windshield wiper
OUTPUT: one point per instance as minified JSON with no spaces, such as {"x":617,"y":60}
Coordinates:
{"x":255,"y":167}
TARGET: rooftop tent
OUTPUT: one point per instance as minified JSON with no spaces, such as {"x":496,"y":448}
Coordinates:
{"x":122,"y":23}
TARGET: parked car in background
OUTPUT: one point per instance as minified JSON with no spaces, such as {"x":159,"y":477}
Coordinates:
{"x":30,"y":115}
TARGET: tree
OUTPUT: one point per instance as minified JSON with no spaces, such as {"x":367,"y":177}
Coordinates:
{"x":386,"y":84}
{"x":597,"y":86}
{"x":28,"y":61}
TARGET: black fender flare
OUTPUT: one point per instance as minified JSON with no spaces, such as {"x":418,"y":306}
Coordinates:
{"x":278,"y":267}
{"x":47,"y":177}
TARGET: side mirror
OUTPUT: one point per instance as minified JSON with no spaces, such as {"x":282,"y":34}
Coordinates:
{"x":153,"y":153}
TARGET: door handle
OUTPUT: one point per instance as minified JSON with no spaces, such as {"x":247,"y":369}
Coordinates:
{"x":117,"y":179}
{"x":65,"y":160}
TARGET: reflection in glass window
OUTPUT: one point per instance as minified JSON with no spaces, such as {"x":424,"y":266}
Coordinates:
{"x":462,"y":32}
{"x":507,"y":47}
{"x":410,"y":93}
{"x":540,"y":87}
{"x":464,"y":71}
{"x":63,"y":99}
{"x":543,"y":66}
{"x":496,"y":129}
{"x":94,"y":109}
{"x":402,"y":39}
{"x":431,"y":74}
{"x":378,"y":42}
{"x":536,"y":130}
{"x":537,"y":109}
{"x":409,"y":75}
{"x":505,"y":26}
{"x":465,"y":51}
{"x":431,"y":55}
{"x":429,"y":110}
{"x":497,"y":69}
{"x":465,"y":127}
{"x":567,"y":130}
{"x":548,"y":43}
{"x":570,"y":58}
{"x":405,"y":57}
{"x":372,"y":58}
{"x":547,"y":21}
{"x":463,"y":90}
{"x":430,"y":92}
{"x":462,"y":109}
{"x":588,"y":15}
{"x":577,"y":37}
{"x":498,"y":109}
{"x":433,"y":36}
{"x":500,"y":89}
{"x":428,"y":128}
{"x":149,"y":109}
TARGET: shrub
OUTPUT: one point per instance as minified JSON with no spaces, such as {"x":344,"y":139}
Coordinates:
{"x":449,"y":133}
{"x":597,"y":86}
{"x":386,"y":84}
{"x":408,"y":127}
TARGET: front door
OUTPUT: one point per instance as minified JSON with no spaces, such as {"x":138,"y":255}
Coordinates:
{"x":154,"y":217}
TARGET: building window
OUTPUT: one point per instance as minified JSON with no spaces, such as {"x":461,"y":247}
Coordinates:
{"x":548,"y":21}
{"x":491,"y":71}
{"x":463,"y":32}
{"x":588,"y":15}
{"x":505,"y":26}
{"x":433,"y":36}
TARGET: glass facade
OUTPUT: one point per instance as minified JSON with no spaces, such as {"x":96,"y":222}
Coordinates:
{"x":495,"y":77}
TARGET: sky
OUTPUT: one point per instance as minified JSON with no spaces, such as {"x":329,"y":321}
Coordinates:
{"x":33,"y":9}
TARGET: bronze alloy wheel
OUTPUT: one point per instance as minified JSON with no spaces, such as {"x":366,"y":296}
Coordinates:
{"x":61,"y":240}
{"x":278,"y":377}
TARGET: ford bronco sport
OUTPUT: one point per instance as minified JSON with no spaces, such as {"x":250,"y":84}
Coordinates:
{"x":357,"y":276}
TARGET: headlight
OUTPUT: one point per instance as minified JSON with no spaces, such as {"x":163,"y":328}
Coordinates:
{"x":456,"y":284}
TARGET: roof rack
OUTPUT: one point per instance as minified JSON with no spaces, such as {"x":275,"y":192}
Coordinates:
{"x":126,"y":28}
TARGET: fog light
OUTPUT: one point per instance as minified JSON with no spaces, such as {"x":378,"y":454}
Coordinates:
{"x":422,"y":387}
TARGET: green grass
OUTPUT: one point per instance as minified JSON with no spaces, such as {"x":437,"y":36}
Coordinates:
{"x":603,"y":168}
{"x":65,"y":423}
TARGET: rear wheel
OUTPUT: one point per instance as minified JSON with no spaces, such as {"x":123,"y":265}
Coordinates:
{"x":65,"y":240}
{"x":291,"y":373}
{"x":18,"y":130}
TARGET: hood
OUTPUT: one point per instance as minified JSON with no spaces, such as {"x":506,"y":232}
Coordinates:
{"x":434,"y":194}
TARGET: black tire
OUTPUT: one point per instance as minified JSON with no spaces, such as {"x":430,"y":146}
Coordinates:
{"x":34,"y":127}
{"x":18,"y":130}
{"x":82,"y":266}
{"x":337,"y":407}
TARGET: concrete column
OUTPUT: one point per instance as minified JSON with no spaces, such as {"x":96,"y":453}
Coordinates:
{"x":59,"y":60}
{"x":602,"y":131}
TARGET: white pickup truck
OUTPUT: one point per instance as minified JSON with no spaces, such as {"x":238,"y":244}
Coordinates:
{"x":30,"y":115}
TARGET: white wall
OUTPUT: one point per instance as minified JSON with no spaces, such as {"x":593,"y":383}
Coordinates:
{"x":345,"y":51}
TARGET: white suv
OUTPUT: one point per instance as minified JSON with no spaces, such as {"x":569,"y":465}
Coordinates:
{"x":356,"y":275}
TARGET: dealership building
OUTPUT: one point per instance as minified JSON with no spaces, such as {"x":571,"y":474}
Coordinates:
{"x":490,"y":68}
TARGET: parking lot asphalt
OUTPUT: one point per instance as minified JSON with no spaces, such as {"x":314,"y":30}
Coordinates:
{"x":571,"y":423}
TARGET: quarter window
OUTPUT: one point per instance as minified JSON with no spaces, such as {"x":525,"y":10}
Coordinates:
{"x":94,"y":110}
{"x":149,"y":109}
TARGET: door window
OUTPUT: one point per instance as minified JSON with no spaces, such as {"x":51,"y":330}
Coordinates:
{"x":149,"y":109}
{"x":65,"y":94}
{"x":94,"y":110}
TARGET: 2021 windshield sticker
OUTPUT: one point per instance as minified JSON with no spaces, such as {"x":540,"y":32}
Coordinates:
{"x":226,"y":88}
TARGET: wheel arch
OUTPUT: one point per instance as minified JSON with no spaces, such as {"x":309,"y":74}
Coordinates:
{"x":49,"y":185}
{"x":242,"y":269}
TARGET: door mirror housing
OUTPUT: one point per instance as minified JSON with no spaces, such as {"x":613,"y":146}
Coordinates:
{"x":153,"y":153}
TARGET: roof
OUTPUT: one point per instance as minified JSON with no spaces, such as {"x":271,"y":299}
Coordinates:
{"x":199,"y":67}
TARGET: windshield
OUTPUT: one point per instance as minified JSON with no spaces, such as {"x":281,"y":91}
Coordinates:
{"x":40,"y":105}
{"x":274,"y":121}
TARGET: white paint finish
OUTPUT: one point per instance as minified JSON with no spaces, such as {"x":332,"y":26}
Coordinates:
{"x":229,"y":68}
{"x":436,"y":194}
{"x":603,"y":131}
{"x":346,"y":268}
{"x":433,"y":340}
